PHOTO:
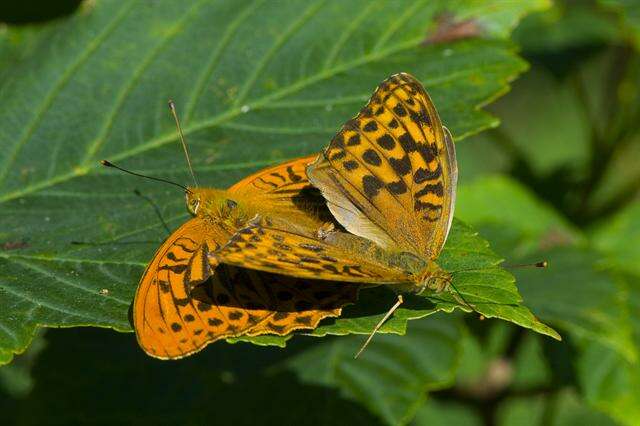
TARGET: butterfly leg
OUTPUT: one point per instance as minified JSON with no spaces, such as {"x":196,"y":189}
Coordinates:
{"x":399,"y":302}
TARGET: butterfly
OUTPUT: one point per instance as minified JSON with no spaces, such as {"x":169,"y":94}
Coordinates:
{"x":274,"y":222}
{"x":185,"y":300}
{"x":389,"y":178}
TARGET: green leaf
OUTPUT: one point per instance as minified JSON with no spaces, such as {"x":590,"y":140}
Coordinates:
{"x":393,"y":375}
{"x":566,"y":25}
{"x":96,"y":85}
{"x":619,"y":240}
{"x":630,"y":16}
{"x":572,"y":293}
{"x":610,"y":383}
{"x":506,"y":204}
{"x":564,"y":408}
{"x":562,"y":141}
{"x":437,"y":412}
{"x":609,"y":380}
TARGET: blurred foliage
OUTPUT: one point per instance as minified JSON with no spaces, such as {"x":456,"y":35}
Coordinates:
{"x":557,"y":180}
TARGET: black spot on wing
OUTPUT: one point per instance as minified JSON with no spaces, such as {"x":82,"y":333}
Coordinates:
{"x":354,"y":140}
{"x":371,"y":157}
{"x":371,"y":126}
{"x":337,"y":155}
{"x":293,"y":177}
{"x":397,"y":188}
{"x":350,"y":165}
{"x":386,"y":142}
{"x":371,"y":185}
{"x":400,"y":110}
{"x":401,"y":166}
{"x":407,"y":142}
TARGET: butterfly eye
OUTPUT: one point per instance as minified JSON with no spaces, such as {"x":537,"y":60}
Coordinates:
{"x":231,"y":204}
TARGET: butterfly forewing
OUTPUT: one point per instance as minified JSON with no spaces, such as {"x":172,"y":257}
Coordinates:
{"x":267,"y":246}
{"x":167,"y":321}
{"x":389,"y":175}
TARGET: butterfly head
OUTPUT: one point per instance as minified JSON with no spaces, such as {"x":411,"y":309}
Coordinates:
{"x":434,"y":279}
{"x":209,"y":202}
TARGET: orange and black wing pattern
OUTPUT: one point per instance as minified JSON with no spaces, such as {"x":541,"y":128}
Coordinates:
{"x":283,"y":190}
{"x":267,"y":246}
{"x":167,"y":321}
{"x":186,"y":301}
{"x":389,"y":175}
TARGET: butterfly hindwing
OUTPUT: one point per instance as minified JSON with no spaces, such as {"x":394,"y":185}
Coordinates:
{"x":395,"y":156}
{"x":284,"y":190}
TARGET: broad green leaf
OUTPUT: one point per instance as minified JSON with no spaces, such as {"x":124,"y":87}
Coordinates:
{"x":619,"y":240}
{"x":610,"y":383}
{"x":255,"y":82}
{"x":393,"y":375}
{"x":544,"y":121}
{"x":572,"y":293}
{"x":504,"y":203}
{"x":530,"y":368}
{"x":480,"y":156}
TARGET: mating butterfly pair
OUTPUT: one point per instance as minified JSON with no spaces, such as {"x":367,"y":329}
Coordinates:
{"x":374,"y":207}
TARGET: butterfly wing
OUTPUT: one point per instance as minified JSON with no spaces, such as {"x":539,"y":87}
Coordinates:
{"x":183,"y":303}
{"x":284,"y":190}
{"x":168,"y":323}
{"x":390,"y":174}
{"x":267,"y":246}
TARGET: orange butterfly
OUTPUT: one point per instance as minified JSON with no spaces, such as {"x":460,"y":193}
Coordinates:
{"x":389,"y":177}
{"x":185,"y":301}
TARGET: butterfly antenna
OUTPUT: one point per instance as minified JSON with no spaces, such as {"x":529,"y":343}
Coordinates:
{"x":377,"y":327}
{"x":172,"y":108}
{"x":110,"y":164}
{"x":541,"y":264}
